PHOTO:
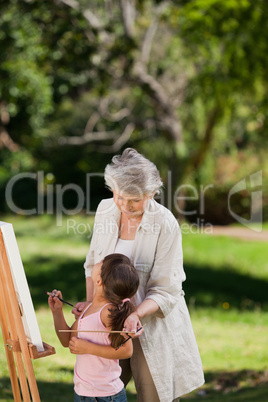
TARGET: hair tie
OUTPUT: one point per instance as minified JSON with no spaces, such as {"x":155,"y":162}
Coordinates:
{"x":125,"y":300}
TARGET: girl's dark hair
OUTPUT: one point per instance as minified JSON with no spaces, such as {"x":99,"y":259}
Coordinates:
{"x":120,"y":281}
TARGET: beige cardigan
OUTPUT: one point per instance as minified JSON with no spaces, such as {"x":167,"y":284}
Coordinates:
{"x":168,"y":341}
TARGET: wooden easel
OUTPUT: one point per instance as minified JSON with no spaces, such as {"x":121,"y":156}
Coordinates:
{"x":19,"y":351}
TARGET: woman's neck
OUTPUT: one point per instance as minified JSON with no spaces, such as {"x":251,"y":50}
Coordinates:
{"x":128,"y":227}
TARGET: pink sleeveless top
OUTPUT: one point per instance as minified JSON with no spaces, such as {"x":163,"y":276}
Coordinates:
{"x":94,"y":375}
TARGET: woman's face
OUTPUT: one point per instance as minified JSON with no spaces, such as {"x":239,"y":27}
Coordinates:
{"x":130,"y":206}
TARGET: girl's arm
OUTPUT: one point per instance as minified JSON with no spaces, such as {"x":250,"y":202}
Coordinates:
{"x":80,"y":346}
{"x":59,"y":321}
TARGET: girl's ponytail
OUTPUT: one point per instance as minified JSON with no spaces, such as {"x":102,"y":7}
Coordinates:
{"x":120,"y":281}
{"x":118,"y":315}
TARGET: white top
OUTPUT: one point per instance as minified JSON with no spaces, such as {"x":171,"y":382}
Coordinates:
{"x":124,"y":247}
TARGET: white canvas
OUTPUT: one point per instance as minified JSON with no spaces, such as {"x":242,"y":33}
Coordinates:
{"x":21,"y":286}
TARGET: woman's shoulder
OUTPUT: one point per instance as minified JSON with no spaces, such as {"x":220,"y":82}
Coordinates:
{"x":106,"y":207}
{"x":162,"y":219}
{"x":161,"y":211}
{"x":106,"y":202}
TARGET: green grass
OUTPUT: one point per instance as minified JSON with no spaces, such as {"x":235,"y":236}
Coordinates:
{"x":226,"y":290}
{"x":221,"y":269}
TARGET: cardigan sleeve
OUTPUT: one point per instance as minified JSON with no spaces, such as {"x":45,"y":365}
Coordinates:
{"x":89,"y":263}
{"x":165,"y":281}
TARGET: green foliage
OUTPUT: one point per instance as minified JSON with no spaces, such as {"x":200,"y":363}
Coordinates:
{"x":201,"y":94}
{"x":13,"y":163}
{"x":222,"y":37}
{"x":43,"y":59}
{"x":25,"y":87}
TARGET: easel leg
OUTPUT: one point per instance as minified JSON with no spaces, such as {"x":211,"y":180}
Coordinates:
{"x":9,"y":322}
{"x":9,"y":353}
{"x":17,"y":330}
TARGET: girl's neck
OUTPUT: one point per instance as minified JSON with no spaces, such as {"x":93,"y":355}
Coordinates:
{"x":96,"y":305}
{"x":99,"y":300}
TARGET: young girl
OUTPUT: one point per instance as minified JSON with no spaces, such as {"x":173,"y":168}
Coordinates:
{"x":97,"y":371}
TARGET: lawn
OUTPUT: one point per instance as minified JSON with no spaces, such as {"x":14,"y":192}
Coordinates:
{"x":226,"y":291}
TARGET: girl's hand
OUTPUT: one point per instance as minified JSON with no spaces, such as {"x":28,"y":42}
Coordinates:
{"x":133,"y":323}
{"x":54,"y":303}
{"x":79,"y":307}
{"x":79,"y":346}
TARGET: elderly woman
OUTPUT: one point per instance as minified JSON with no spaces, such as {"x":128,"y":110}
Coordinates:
{"x":166,"y":362}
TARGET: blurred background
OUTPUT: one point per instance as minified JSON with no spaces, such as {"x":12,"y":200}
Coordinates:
{"x":183,"y":82}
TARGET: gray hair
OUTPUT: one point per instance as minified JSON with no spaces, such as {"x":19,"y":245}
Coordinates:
{"x":132,"y":174}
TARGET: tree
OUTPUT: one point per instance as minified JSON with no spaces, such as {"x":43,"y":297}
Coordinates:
{"x":179,"y":71}
{"x":179,"y":74}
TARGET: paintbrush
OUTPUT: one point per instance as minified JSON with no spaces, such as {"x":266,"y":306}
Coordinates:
{"x":129,"y":337}
{"x":63,"y":301}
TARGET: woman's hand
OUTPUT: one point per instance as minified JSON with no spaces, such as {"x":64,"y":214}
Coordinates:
{"x":54,"y":303}
{"x":79,"y":307}
{"x":147,"y":308}
{"x":132,"y":324}
{"x":79,"y":346}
